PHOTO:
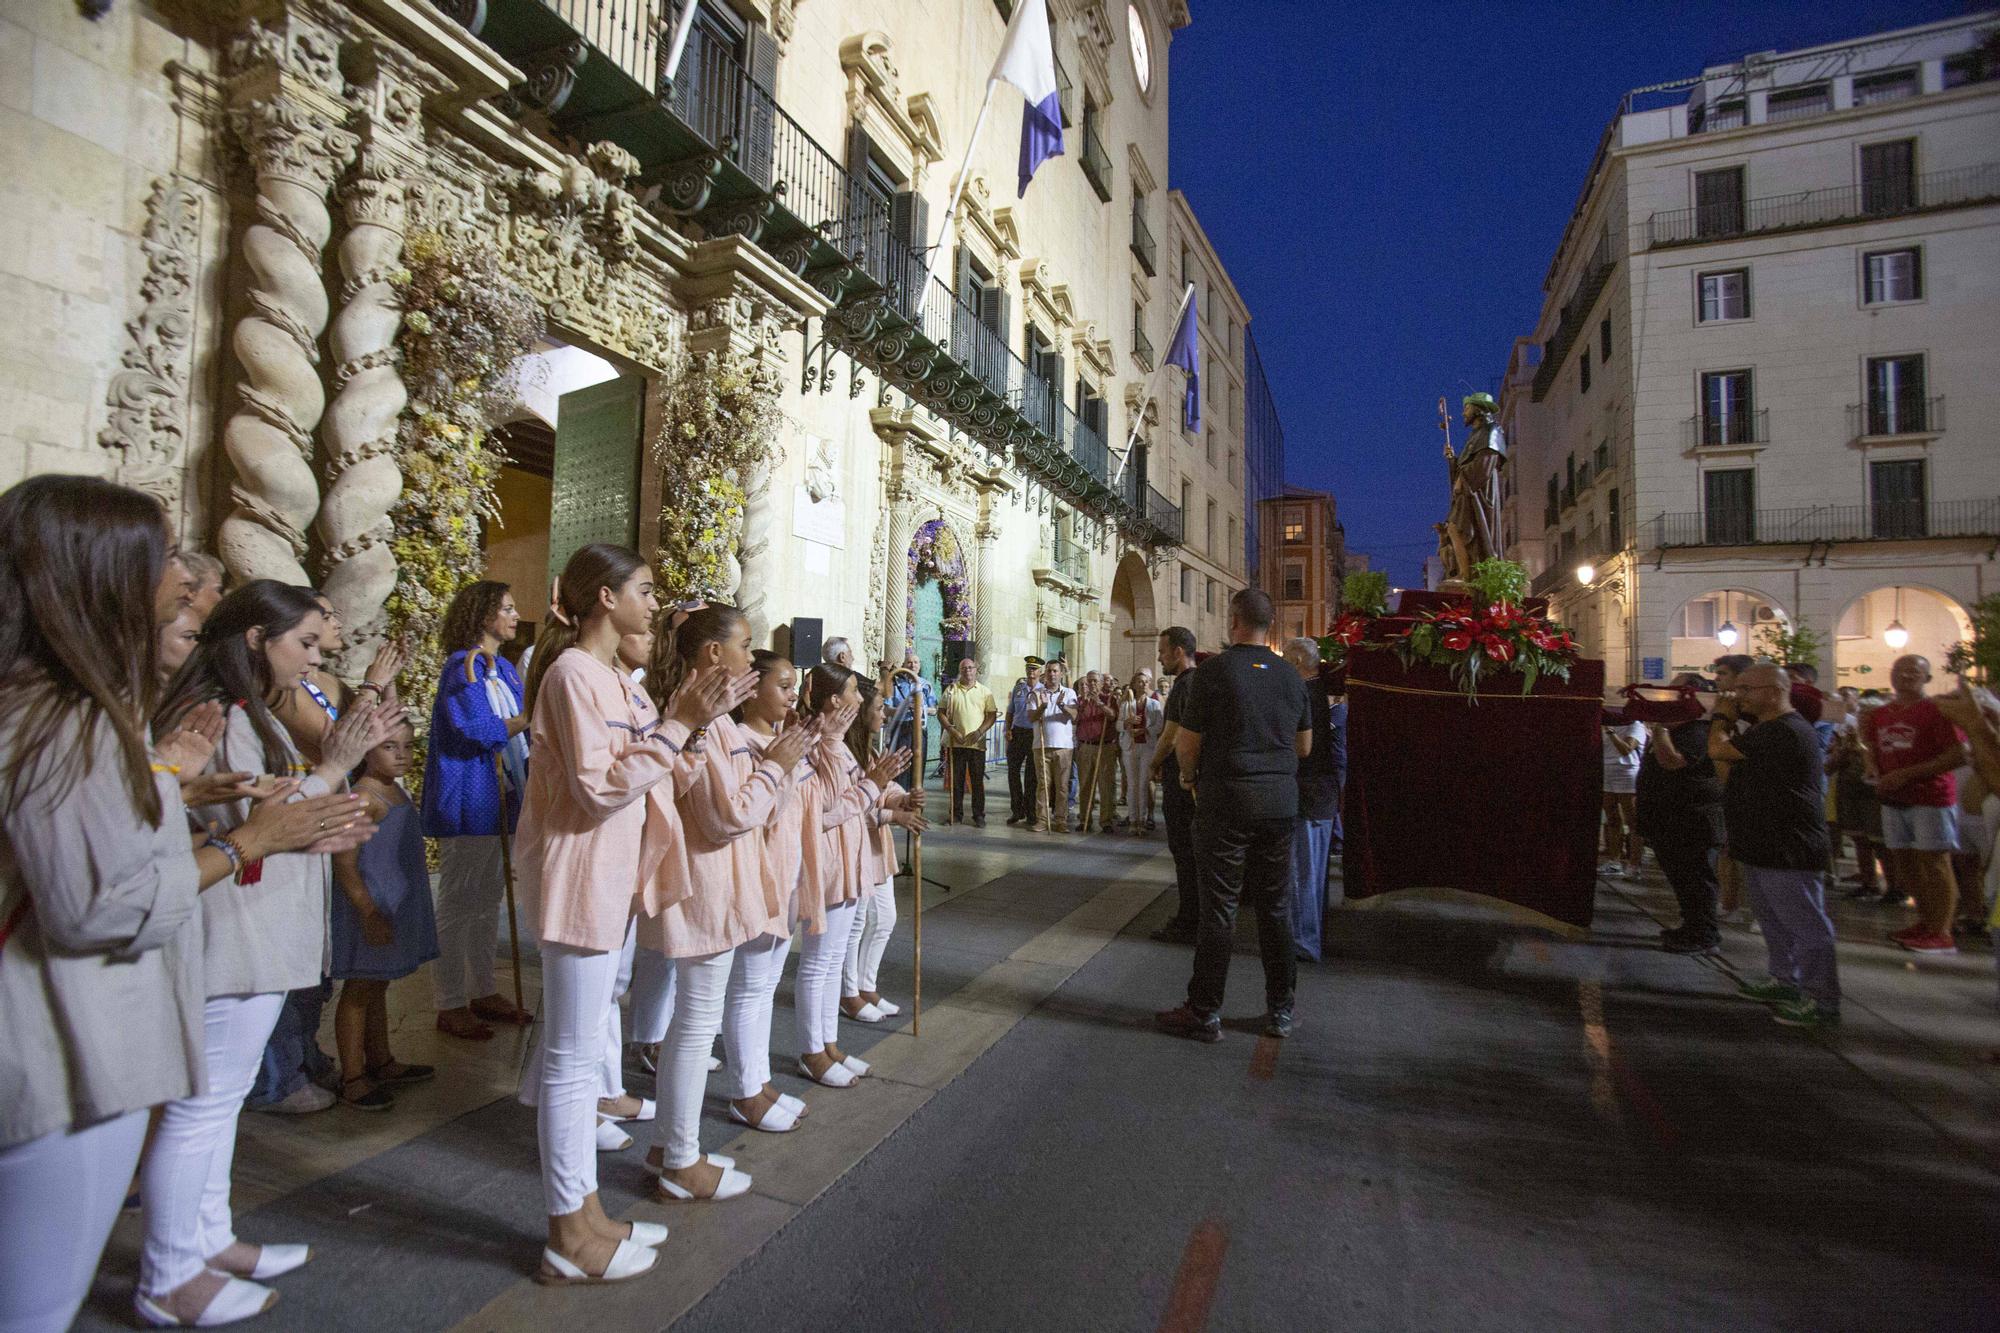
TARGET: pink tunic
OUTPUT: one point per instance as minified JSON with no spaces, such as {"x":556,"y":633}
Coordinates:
{"x":784,"y":841}
{"x":878,"y":853}
{"x":599,"y":835}
{"x":838,"y":797}
{"x":725,"y":814}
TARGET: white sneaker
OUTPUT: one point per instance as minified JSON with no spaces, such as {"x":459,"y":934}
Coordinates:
{"x":309,"y":1098}
{"x":1611,"y":869}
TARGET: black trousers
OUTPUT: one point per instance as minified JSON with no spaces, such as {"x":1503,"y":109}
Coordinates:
{"x":1690,"y":871}
{"x":1177,"y":808}
{"x":1021,"y":777}
{"x":1247,"y":861}
{"x":968,"y":770}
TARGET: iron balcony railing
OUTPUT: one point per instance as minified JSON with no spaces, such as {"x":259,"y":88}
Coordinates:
{"x":1143,"y":246}
{"x":1885,"y":520}
{"x":1895,"y":414}
{"x":1575,"y":312}
{"x":1569,"y":495}
{"x":1727,"y":428}
{"x":1096,"y":162}
{"x":1142,"y":347}
{"x":1821,"y":208}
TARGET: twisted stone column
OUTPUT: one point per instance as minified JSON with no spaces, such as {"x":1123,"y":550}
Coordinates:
{"x":359,"y":433}
{"x":896,"y":607}
{"x":269,"y":439}
{"x":981,"y":576}
{"x":755,"y":548}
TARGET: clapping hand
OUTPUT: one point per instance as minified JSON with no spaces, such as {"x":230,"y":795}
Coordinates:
{"x":836,"y":720}
{"x":887,"y":765}
{"x":791,"y":746}
{"x":912,"y":820}
{"x":192,"y":744}
{"x":708,"y":694}
{"x":362,"y":726}
{"x":337,"y":822}
{"x":389,"y":661}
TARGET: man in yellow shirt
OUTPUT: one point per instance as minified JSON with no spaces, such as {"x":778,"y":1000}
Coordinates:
{"x":966,"y":713}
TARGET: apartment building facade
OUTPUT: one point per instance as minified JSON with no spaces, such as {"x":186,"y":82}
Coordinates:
{"x":1302,"y":560}
{"x":1760,"y":392}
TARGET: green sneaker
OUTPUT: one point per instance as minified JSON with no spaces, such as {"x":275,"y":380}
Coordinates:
{"x":1770,"y":991}
{"x":1804,"y":1013}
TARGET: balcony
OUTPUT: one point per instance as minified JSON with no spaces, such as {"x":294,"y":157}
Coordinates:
{"x":1143,"y":247}
{"x":1890,"y":520}
{"x":1142,"y":347}
{"x":1959,"y":188}
{"x":1569,"y":495}
{"x":1162,"y":516}
{"x":1575,"y":311}
{"x":1726,"y":430}
{"x":1096,"y":162}
{"x":1070,"y":562}
{"x":1895,"y":417}
{"x":715,"y":149}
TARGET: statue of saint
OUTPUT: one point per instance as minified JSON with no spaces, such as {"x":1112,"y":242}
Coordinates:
{"x":1473,"y":524}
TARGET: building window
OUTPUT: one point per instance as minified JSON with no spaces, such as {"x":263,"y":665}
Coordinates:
{"x":1209,"y":531}
{"x":1727,"y":113}
{"x":1896,"y":499}
{"x":1208,"y":597}
{"x":1891,"y":85}
{"x":1970,"y":67}
{"x":1295,"y":527}
{"x":1729,"y":506}
{"x":1550,"y":514}
{"x":1615,"y":520}
{"x":1896,"y":404}
{"x":1722,"y":296}
{"x":1187,"y":586}
{"x":1892,"y":275}
{"x":1889,"y":176}
{"x":1208,"y":446}
{"x":1814,"y":99}
{"x":1697,"y":620}
{"x":1295,"y":581}
{"x":1583,"y":372}
{"x":1726,"y":409}
{"x":1718,"y":202}
{"x":1604,"y":341}
{"x":1187,"y":503}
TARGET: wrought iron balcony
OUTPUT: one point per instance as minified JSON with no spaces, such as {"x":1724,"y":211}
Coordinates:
{"x":1569,"y":495}
{"x":1896,"y":414}
{"x":1142,"y":346}
{"x":1888,"y":520}
{"x":1575,"y":311}
{"x":1096,"y":162}
{"x":1729,"y":428}
{"x":1143,"y":246}
{"x":714,"y":147}
{"x":1825,"y":208}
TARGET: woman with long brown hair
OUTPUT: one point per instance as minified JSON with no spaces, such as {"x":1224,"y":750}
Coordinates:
{"x":875,"y":915}
{"x":100,"y":945}
{"x":600,"y":839}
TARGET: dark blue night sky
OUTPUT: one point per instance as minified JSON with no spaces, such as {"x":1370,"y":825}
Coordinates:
{"x":1387,"y":184}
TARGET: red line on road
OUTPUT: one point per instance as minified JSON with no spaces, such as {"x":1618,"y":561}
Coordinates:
{"x":1194,"y":1285}
{"x":1264,"y":1060}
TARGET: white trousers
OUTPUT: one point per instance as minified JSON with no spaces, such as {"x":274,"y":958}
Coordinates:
{"x":186,"y":1180}
{"x":874,"y":923}
{"x":746,"y":1014}
{"x":471,"y":885}
{"x":651,"y":1007}
{"x":700,"y":986}
{"x":816,"y":986}
{"x":1138,"y":791}
{"x":59,"y":1195}
{"x":577,"y":989}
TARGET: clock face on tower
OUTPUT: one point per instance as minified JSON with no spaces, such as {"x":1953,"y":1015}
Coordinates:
{"x":1142,"y":55}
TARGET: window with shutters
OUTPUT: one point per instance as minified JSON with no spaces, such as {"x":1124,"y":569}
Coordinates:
{"x":1801,"y":103}
{"x":1721,"y":297}
{"x":1889,"y":176}
{"x":1187,"y":502}
{"x":1187,"y":585}
{"x":1209,"y":531}
{"x":1294,"y":581}
{"x":1896,"y":499}
{"x":1042,"y":394}
{"x":1583,"y":372}
{"x":1718,"y":202}
{"x":1294,"y":527}
{"x":1896,"y":402}
{"x":1891,"y":85}
{"x":1235,"y":546}
{"x":1888,"y":276}
{"x":1604,"y":341}
{"x":1727,"y":408}
{"x":981,"y":320}
{"x":1729,"y":506}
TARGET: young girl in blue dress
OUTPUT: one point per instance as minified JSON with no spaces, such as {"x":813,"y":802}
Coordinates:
{"x":383,"y":928}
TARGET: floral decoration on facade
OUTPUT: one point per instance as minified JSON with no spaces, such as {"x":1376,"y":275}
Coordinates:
{"x":466,"y":328}
{"x":718,"y":424}
{"x":935,"y":554}
{"x":1474,"y":639}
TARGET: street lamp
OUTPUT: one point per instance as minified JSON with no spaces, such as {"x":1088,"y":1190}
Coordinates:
{"x":1895,"y":635}
{"x":1728,"y":634}
{"x":1586,"y":574}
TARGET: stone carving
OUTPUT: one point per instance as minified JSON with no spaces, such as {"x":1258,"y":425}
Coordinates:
{"x":148,"y":397}
{"x":269,"y":438}
{"x":755,"y":548}
{"x":873,"y":631}
{"x":363,"y":480}
{"x":823,"y":472}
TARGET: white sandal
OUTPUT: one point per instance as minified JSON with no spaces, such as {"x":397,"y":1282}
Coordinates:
{"x":836,"y":1076}
{"x":272,"y":1261}
{"x":649,"y":1234}
{"x":236,"y":1300}
{"x":733,"y":1183}
{"x":714,"y":1064}
{"x":648,"y":1109}
{"x":855,"y":1066}
{"x":628,"y":1260}
{"x":888,"y":1010}
{"x":712,"y":1158}
{"x":777,"y":1120}
{"x":867,"y":1013}
{"x":792,"y":1104}
{"x":610,"y":1138}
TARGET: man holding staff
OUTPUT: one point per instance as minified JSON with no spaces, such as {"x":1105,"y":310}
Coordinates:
{"x":968,"y":712}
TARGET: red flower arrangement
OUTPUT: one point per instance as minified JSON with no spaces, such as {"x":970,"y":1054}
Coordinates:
{"x":1469,"y":642}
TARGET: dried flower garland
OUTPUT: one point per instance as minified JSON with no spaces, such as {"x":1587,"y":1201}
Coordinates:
{"x":718,"y":425}
{"x":935,"y":554}
{"x":466,"y":328}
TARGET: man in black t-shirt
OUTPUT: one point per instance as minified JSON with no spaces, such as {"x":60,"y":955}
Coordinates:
{"x":1680,"y":818}
{"x":1774,"y":806}
{"x":1245,"y":726}
{"x":1177,"y":804}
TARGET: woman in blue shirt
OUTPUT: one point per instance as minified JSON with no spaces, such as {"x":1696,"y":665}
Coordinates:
{"x":477,"y":714}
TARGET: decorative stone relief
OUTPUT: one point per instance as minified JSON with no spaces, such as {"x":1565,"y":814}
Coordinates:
{"x":148,"y":398}
{"x":908,"y":129}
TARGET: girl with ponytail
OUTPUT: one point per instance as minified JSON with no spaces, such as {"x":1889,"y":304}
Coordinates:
{"x":728,"y":938}
{"x":875,"y":916}
{"x":837,"y":797}
{"x":600,"y":838}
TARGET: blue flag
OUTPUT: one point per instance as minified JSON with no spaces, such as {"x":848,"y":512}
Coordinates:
{"x":1184,"y":352}
{"x":1028,"y":62}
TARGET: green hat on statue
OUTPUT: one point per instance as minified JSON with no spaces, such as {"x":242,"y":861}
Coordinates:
{"x":1483,"y":401}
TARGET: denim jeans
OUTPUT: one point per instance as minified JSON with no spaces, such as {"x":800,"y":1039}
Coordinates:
{"x":1311,"y":842}
{"x":1247,"y":861}
{"x":292,"y":1057}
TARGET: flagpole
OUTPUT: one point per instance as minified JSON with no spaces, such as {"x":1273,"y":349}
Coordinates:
{"x":951,"y":211}
{"x":682,"y":26}
{"x":1139,"y":417}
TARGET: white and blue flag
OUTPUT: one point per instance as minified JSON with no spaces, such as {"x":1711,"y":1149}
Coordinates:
{"x":1028,"y":62}
{"x":1182,"y":351}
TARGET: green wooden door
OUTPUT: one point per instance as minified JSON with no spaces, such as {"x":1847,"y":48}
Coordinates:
{"x":595,"y":495}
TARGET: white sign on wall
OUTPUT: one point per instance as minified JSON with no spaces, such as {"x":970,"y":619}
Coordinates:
{"x":818,"y":512}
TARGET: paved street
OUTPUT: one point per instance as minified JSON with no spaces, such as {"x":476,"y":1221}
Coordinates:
{"x":1477,"y":1125}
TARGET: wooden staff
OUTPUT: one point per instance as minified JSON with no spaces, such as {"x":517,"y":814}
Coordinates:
{"x":1109,"y":729}
{"x":917,"y":872}
{"x":506,"y":852}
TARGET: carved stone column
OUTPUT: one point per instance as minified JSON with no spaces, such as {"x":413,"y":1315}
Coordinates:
{"x":359,"y":433}
{"x":269,"y":439}
{"x":895,"y":589}
{"x":757,"y":547}
{"x":984,"y":534}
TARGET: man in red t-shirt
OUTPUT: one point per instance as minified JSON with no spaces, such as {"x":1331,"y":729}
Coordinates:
{"x":1912,"y":750}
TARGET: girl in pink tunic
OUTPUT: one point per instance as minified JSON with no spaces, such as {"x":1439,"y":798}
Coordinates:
{"x":875,"y":917}
{"x":599,"y":839}
{"x":837,"y":797}
{"x":733,"y":901}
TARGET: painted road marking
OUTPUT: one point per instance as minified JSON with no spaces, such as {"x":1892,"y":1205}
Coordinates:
{"x":1194,"y":1285}
{"x":1264,"y":1060}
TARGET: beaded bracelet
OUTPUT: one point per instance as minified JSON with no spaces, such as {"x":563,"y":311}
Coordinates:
{"x":228,"y":849}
